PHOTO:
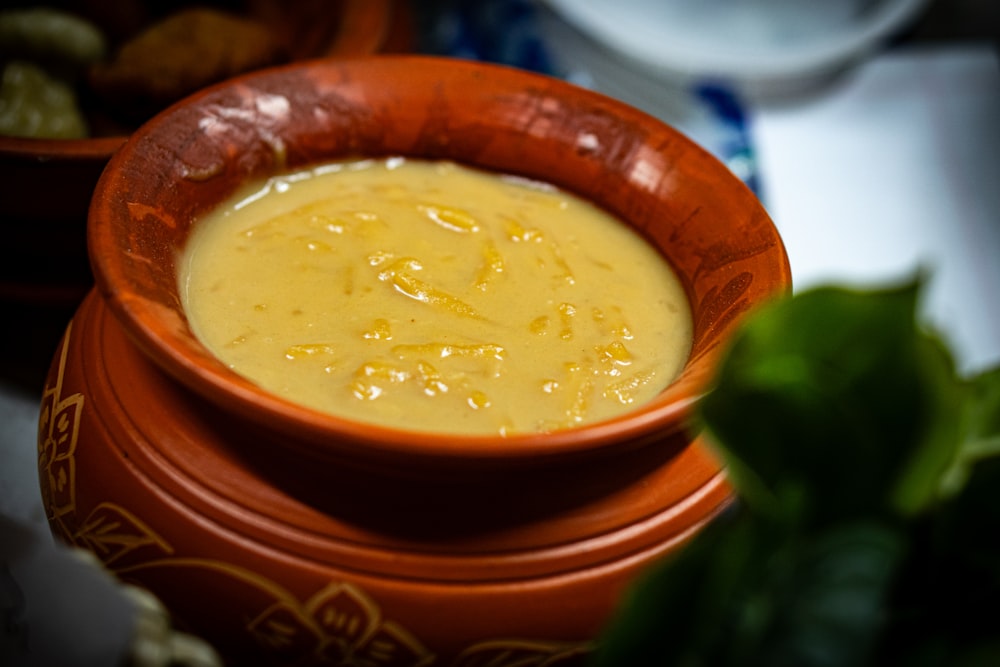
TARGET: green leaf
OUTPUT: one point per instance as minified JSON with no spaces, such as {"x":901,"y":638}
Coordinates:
{"x":972,"y":517}
{"x":700,"y":604}
{"x":918,"y":486}
{"x":836,"y":607}
{"x":833,"y":404}
{"x":868,"y":524}
{"x":741,"y":594}
{"x":981,"y":429}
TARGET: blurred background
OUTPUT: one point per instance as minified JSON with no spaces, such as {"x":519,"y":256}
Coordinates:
{"x":870,"y":130}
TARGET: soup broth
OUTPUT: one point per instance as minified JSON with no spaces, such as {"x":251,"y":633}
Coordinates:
{"x":435,"y":297}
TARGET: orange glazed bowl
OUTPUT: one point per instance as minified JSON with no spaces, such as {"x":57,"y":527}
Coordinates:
{"x":287,"y":536}
{"x":46,"y":183}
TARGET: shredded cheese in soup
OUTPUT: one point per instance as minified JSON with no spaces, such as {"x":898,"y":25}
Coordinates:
{"x":430,"y":296}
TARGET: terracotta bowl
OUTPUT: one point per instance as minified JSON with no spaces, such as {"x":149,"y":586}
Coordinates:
{"x":286,"y":536}
{"x":46,"y":184}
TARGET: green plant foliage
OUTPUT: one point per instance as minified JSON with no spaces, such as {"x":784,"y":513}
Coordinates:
{"x":868,"y":525}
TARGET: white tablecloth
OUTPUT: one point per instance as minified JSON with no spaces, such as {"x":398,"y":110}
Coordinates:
{"x":893,"y":168}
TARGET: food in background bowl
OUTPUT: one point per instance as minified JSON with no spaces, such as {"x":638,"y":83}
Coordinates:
{"x":57,"y":130}
{"x":65,"y":78}
{"x":82,"y":69}
{"x":186,"y":50}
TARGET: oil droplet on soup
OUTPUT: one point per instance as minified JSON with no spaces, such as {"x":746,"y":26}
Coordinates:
{"x":431,"y":296}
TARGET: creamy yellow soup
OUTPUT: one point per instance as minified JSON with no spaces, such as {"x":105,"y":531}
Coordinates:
{"x":431,"y":296}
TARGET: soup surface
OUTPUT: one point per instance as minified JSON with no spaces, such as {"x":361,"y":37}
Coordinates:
{"x":431,"y":296}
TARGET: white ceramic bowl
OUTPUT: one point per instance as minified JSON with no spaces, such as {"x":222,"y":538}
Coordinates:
{"x":761,"y":46}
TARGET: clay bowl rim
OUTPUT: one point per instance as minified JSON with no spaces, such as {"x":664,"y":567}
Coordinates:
{"x":328,"y":437}
{"x":362,"y":31}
